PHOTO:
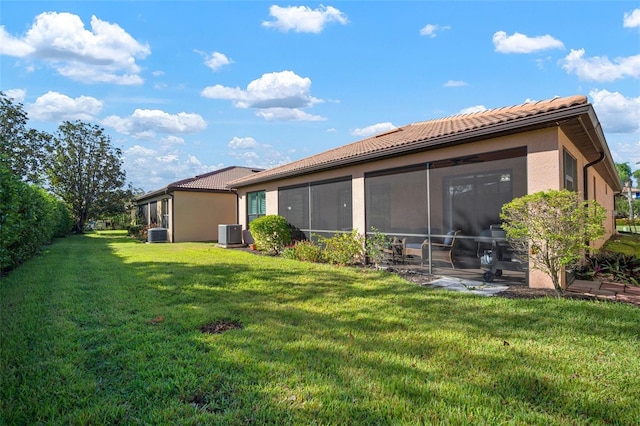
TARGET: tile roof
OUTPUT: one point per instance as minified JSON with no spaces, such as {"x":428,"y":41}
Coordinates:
{"x":217,"y":180}
{"x":420,"y":135}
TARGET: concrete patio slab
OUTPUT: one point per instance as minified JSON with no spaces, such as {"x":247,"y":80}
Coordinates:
{"x":468,"y":286}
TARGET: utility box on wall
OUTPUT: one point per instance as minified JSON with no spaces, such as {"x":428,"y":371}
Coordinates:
{"x":230,"y":235}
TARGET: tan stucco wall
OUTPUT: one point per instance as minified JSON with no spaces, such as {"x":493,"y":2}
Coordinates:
{"x":544,"y":171}
{"x":196,"y":215}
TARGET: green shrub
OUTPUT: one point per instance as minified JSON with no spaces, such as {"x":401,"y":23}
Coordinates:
{"x":135,"y":230}
{"x":308,"y":251}
{"x":289,"y":252}
{"x":343,"y":248}
{"x":550,"y":228}
{"x":375,"y":246}
{"x":271,"y":233}
{"x":29,"y":218}
{"x":613,"y":267}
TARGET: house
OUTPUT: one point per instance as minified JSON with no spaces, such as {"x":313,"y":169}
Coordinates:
{"x":191,"y":209}
{"x":427,"y":178}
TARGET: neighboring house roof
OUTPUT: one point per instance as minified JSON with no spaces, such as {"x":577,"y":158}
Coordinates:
{"x":574,"y":114}
{"x":215,"y":181}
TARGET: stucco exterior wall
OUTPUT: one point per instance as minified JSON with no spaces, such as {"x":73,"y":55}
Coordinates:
{"x":544,"y":171}
{"x":196,"y":215}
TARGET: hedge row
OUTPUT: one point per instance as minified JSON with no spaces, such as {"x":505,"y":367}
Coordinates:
{"x":29,"y":218}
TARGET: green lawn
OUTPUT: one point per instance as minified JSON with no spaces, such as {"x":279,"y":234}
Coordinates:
{"x":628,"y":244}
{"x":319,"y":345}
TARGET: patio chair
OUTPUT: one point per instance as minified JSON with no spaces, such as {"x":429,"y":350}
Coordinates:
{"x":443,"y":251}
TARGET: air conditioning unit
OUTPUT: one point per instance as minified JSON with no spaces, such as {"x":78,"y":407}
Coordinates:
{"x":230,"y":235}
{"x":157,"y":235}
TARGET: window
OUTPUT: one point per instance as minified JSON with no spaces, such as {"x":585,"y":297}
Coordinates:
{"x":570,"y":166}
{"x":256,"y":205}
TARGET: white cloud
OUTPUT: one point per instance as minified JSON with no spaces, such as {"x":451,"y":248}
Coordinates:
{"x":303,"y":19}
{"x":54,"y":106}
{"x":143,"y":123}
{"x":521,"y":43}
{"x":601,"y":69}
{"x":283,"y":89}
{"x":455,"y":83}
{"x":473,"y":109}
{"x":264,"y":157}
{"x":140,"y":151}
{"x":431,"y":30}
{"x":13,"y":46}
{"x":172,"y":141}
{"x":216,"y":60}
{"x":152,"y":169}
{"x":632,"y":19}
{"x":374,"y":129}
{"x":287,"y":114}
{"x":617,"y":113}
{"x":17,"y":95}
{"x":278,"y":96}
{"x":242,"y":143}
{"x":106,"y":54}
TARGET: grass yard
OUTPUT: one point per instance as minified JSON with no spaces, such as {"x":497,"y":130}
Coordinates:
{"x":101,"y":329}
{"x":628,"y":244}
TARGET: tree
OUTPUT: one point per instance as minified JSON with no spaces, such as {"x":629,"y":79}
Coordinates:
{"x":625,"y":175}
{"x":84,"y":167}
{"x":553,"y":228}
{"x":23,"y":150}
{"x":116,"y":205}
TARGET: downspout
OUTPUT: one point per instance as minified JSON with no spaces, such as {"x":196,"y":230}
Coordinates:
{"x":171,"y":218}
{"x":592,"y":163}
{"x":585,"y":175}
{"x":429,"y":215}
{"x":233,"y":191}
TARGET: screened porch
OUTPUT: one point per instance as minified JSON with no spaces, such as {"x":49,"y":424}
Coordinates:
{"x":424,"y":205}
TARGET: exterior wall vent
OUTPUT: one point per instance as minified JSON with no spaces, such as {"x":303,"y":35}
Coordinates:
{"x":230,"y":235}
{"x":157,"y":235}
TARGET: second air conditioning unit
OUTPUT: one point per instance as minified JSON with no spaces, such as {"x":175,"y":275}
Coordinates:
{"x":230,"y":235}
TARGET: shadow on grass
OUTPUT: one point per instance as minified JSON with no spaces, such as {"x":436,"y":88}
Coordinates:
{"x":352,"y":330}
{"x":318,"y":344}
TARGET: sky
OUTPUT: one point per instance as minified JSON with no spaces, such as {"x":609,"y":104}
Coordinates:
{"x":187,"y":87}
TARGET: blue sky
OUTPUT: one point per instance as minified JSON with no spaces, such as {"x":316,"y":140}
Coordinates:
{"x":187,"y":87}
